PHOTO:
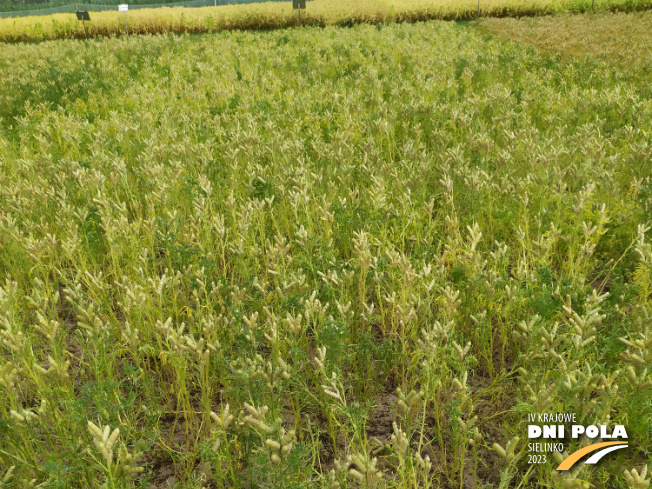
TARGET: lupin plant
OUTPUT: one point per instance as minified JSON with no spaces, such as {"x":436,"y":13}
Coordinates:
{"x":636,"y":479}
{"x":115,"y":466}
{"x":364,"y":470}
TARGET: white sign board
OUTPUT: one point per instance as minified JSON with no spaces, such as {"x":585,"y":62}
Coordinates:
{"x":123,"y":8}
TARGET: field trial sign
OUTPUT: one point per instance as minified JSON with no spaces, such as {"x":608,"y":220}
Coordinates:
{"x":123,"y":7}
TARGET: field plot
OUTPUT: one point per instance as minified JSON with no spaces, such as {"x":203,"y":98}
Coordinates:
{"x":272,"y":15}
{"x":320,"y":258}
{"x":621,"y":39}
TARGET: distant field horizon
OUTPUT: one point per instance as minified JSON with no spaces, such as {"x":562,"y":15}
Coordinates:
{"x":20,"y":6}
{"x":276,"y":14}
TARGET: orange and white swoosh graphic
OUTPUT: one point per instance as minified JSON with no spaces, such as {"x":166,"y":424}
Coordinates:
{"x":607,"y":447}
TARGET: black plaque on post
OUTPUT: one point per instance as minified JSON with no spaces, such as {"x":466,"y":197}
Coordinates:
{"x":83,"y":16}
{"x":298,"y":5}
